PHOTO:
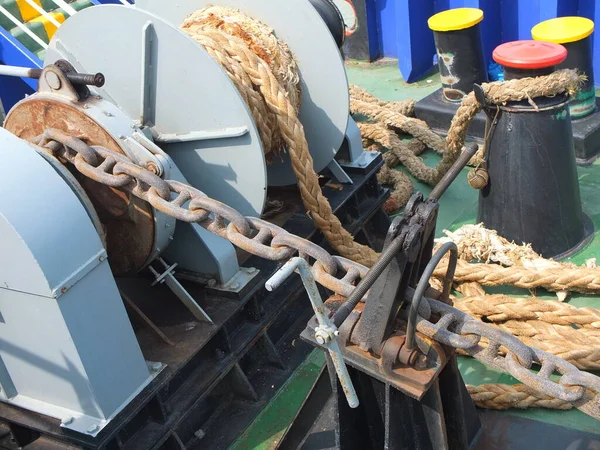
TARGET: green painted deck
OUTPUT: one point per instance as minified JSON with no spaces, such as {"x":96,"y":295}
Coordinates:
{"x":458,"y":206}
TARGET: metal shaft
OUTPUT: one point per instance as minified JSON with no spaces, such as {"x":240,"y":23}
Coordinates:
{"x":365,"y":284}
{"x":97,"y":79}
{"x":453,"y":172}
{"x":390,"y":252}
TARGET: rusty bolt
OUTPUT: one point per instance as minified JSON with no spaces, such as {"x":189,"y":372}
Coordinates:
{"x":53,"y":80}
{"x":63,"y":290}
{"x":152,"y":167}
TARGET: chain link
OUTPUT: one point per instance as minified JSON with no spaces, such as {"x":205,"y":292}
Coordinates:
{"x":508,"y":354}
{"x":258,"y":237}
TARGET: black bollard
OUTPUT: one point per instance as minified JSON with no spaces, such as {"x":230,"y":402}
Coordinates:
{"x":533,"y":190}
{"x":461,"y":64}
{"x":459,"y":50}
{"x":575,"y":34}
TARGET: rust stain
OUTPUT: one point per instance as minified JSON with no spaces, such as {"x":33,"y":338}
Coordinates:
{"x":127,"y":220}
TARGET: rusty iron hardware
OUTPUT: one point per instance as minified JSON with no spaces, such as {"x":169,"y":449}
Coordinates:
{"x":437,"y":322}
{"x":251,"y":234}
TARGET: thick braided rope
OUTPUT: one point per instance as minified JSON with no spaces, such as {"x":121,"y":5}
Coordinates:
{"x":398,"y":151}
{"x":505,"y":396}
{"x":404,"y":107}
{"x":538,"y":329}
{"x":581,"y":279}
{"x":401,"y":184}
{"x":264,"y":118}
{"x":501,"y":92}
{"x":502,"y":308}
{"x":402,"y":188}
{"x":292,"y":133}
{"x":415,"y":127}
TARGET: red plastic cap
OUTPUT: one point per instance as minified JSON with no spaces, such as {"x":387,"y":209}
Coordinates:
{"x":529,"y":54}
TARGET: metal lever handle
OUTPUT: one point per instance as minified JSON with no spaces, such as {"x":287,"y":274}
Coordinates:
{"x":74,"y":77}
{"x":326,"y":332}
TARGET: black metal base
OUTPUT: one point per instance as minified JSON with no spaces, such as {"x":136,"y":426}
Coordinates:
{"x":445,"y":418}
{"x":586,"y":137}
{"x":218,"y":377}
{"x":438,"y":114}
{"x":500,"y":431}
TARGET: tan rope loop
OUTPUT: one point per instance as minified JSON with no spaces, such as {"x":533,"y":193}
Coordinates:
{"x":501,"y":92}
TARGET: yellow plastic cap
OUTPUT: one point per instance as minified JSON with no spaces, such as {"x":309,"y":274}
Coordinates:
{"x":455,"y":19}
{"x":563,"y":30}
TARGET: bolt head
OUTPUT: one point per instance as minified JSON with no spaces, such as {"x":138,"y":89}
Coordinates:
{"x":92,"y":429}
{"x":235,"y":285}
{"x":212,"y":283}
{"x":252,"y":269}
{"x":53,"y":80}
{"x":152,"y":167}
{"x":66,"y":421}
{"x":156,"y":366}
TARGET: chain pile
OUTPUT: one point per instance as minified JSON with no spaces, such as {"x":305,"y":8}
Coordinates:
{"x":436,"y":320}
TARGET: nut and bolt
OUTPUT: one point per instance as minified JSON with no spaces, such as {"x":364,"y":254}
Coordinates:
{"x":235,"y":285}
{"x":322,"y":337}
{"x":92,"y":429}
{"x":251,"y":270}
{"x":211,"y":283}
{"x":156,"y":366}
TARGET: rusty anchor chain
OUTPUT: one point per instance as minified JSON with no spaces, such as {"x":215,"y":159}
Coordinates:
{"x":436,"y":320}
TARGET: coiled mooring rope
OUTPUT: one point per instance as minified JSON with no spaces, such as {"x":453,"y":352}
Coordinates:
{"x":237,"y":42}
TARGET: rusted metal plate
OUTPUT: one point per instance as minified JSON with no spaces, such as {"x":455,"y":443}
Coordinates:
{"x":127,"y":221}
